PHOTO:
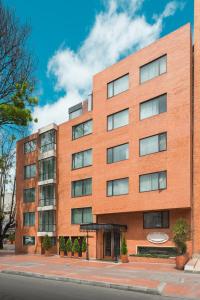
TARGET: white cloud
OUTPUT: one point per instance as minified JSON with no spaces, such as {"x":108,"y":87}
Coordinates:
{"x":117,"y":31}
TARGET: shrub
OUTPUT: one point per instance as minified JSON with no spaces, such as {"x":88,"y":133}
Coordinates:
{"x":180,"y":236}
{"x":69,"y":245}
{"x":62,"y":243}
{"x":11,"y":237}
{"x":46,"y":243}
{"x":124,"y":249}
{"x":76,"y":246}
{"x":84,"y":245}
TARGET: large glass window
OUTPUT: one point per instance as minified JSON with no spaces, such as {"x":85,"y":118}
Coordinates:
{"x":153,"y":107}
{"x":118,"y":119}
{"x":153,"y":181}
{"x":47,"y":140}
{"x":82,"y":159}
{"x":47,"y":221}
{"x":29,"y":195}
{"x":156,"y":219}
{"x":76,"y":113}
{"x":118,"y":86}
{"x":117,"y":187}
{"x":81,"y":215}
{"x":29,"y":171}
{"x":153,"y":144}
{"x":47,"y":195}
{"x":47,"y":168}
{"x":29,"y":219}
{"x":153,"y":69}
{"x":82,"y":187}
{"x":30,"y":146}
{"x":117,"y":153}
{"x":28,"y":240}
{"x":82,"y":129}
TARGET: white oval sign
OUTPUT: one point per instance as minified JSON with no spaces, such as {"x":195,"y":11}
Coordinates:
{"x":157,"y":237}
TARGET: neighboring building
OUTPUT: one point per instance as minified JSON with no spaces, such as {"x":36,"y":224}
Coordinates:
{"x":125,"y":163}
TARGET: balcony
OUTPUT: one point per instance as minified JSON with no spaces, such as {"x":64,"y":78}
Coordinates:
{"x":47,"y":178}
{"x":46,"y":229}
{"x":46,"y":204}
{"x":47,"y":150}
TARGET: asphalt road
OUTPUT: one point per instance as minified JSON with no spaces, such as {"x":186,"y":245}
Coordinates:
{"x":24,"y":288}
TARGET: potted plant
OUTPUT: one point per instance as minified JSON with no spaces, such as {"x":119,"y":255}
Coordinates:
{"x":69,"y":247}
{"x":180,"y":236}
{"x":46,"y":244}
{"x":11,"y":238}
{"x":124,"y":251}
{"x":76,"y":248}
{"x":62,"y":246}
{"x":84,"y":248}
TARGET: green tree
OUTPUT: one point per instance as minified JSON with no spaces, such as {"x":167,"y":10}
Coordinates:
{"x":84,"y":245}
{"x":62,"y":243}
{"x":46,"y":243}
{"x":124,"y":249}
{"x":76,"y":246}
{"x":180,"y":235}
{"x":16,"y":69}
{"x":69,"y":245}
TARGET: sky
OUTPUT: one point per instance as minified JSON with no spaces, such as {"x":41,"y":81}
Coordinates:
{"x":74,"y":39}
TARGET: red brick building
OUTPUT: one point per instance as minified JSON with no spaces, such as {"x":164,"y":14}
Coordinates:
{"x":127,"y":161}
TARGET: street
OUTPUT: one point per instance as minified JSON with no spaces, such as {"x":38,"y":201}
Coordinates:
{"x":23,"y":288}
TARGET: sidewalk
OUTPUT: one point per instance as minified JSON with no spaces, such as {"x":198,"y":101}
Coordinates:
{"x":153,"y":278}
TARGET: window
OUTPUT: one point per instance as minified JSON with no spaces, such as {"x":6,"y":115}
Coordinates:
{"x":29,"y":195}
{"x":47,"y":168}
{"x":47,"y":195}
{"x":82,"y":187}
{"x":29,"y":171}
{"x":76,"y":113}
{"x":30,"y":146}
{"x":82,"y":215}
{"x":118,"y":86}
{"x":117,"y":187}
{"x":29,"y":219}
{"x":157,"y":219}
{"x":47,"y":141}
{"x":117,"y":153}
{"x":118,"y":119}
{"x":153,"y":181}
{"x":47,"y":221}
{"x":153,"y":144}
{"x":153,"y":107}
{"x":28,"y":240}
{"x":153,"y":69}
{"x":81,"y":129}
{"x":82,"y":159}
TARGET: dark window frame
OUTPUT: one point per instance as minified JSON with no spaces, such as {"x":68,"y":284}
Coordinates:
{"x":34,"y":164}
{"x":111,"y":148}
{"x":159,"y":189}
{"x":82,"y":123}
{"x":162,"y":218}
{"x":24,"y":192}
{"x":152,"y":99}
{"x":108,"y":130}
{"x":31,"y":236}
{"x":83,"y":183}
{"x":152,"y":61}
{"x":82,"y":209}
{"x":73,"y":155}
{"x":112,"y":81}
{"x":112,"y":187}
{"x":28,"y":142}
{"x":29,"y":213}
{"x":158,"y":134}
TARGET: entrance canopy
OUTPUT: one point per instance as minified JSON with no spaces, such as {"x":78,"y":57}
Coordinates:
{"x":103,"y":227}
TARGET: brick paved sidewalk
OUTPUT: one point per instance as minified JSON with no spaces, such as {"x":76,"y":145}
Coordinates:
{"x":163,"y":278}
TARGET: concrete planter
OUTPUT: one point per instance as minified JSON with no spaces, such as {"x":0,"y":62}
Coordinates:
{"x":84,"y":255}
{"x":76,"y":255}
{"x":69,"y":254}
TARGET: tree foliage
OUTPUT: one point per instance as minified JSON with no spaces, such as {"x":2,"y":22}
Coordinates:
{"x":16,"y":71}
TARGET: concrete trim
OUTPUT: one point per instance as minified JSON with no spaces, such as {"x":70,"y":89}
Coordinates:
{"x":139,"y":289}
{"x":47,"y":128}
{"x":48,"y":181}
{"x":50,"y":233}
{"x":43,"y":208}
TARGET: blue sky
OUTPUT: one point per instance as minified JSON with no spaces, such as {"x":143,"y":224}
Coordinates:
{"x":66,"y":32}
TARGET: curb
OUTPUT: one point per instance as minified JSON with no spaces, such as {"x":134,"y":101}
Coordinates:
{"x":139,"y":289}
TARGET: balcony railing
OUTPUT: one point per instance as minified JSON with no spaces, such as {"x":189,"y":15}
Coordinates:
{"x":46,"y":228}
{"x":46,"y":176}
{"x":47,"y":202}
{"x":47,"y":147}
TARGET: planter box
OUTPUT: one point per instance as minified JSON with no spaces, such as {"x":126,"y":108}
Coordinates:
{"x":124,"y":259}
{"x":69,"y":254}
{"x":62,"y":253}
{"x":181,"y":261}
{"x":76,"y":255}
{"x":151,"y":259}
{"x":84,"y":255}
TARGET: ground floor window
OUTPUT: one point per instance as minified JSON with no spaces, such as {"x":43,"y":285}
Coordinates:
{"x":156,"y":219}
{"x":169,"y":251}
{"x":28,"y":240}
